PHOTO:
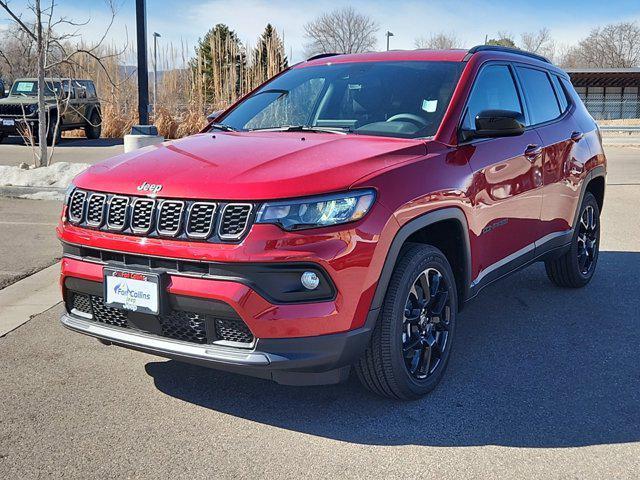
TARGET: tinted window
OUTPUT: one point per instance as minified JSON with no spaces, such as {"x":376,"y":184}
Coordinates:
{"x":542,"y":102}
{"x":562,"y":95}
{"x":494,"y":90}
{"x":400,"y":99}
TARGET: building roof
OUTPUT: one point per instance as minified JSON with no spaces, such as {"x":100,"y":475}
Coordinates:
{"x":604,"y":77}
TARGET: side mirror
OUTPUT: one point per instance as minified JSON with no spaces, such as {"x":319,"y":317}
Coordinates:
{"x":213,"y":115}
{"x":496,"y":123}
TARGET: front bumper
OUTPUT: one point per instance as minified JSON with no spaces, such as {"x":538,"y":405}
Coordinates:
{"x":323,"y":359}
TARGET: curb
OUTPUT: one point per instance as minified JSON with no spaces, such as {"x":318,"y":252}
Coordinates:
{"x":15,"y":191}
{"x":21,"y":301}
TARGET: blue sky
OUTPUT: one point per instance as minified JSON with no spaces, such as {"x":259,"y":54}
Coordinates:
{"x":182,"y":22}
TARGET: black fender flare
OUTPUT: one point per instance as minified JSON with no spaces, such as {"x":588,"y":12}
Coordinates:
{"x":447,"y":213}
{"x":595,"y":172}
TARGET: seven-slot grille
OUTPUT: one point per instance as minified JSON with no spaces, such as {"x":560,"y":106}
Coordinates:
{"x":183,"y":219}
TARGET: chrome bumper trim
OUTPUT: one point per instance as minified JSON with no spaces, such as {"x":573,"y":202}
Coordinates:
{"x":211,"y":353}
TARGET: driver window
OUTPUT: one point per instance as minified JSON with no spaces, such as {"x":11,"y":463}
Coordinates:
{"x":494,"y":90}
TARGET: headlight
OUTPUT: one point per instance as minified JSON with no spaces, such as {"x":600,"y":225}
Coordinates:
{"x":317,"y":211}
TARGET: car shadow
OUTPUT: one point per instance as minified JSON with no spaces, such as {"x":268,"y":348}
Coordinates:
{"x":533,"y":366}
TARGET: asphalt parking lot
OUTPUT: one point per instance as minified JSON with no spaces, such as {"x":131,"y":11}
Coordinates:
{"x":543,"y":383}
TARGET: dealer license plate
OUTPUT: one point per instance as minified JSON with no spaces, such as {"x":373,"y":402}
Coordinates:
{"x":135,"y":291}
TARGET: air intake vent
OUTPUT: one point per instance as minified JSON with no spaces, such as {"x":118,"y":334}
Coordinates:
{"x":95,"y":209}
{"x":76,"y":206}
{"x":142,"y":215}
{"x":170,"y":217}
{"x":200,"y":222}
{"x":117,"y":215}
{"x":235,"y":218}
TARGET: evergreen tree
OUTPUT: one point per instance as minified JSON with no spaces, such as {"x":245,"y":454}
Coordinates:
{"x":269,"y":56}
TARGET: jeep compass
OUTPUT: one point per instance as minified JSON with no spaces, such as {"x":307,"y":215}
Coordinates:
{"x":339,"y":217}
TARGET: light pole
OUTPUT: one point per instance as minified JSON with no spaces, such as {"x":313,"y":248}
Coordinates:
{"x":156,"y":35}
{"x":143,"y":74}
{"x":388,"y":34}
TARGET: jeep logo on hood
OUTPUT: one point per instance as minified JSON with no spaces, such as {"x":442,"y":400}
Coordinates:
{"x":149,"y":187}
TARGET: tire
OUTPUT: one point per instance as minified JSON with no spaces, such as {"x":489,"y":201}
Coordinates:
{"x":386,"y":366}
{"x":52,"y":126}
{"x":2,"y":137}
{"x":93,"y":129}
{"x":570,"y":270}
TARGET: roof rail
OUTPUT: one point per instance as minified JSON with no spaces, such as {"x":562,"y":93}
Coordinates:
{"x":500,"y":48}
{"x":322,"y":55}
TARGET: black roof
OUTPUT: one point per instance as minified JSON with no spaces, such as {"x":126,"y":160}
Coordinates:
{"x":500,"y":48}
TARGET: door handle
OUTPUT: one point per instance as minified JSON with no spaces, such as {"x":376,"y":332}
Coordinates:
{"x":577,"y":136}
{"x":532,"y":152}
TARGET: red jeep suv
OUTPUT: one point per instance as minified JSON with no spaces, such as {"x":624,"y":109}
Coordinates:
{"x":339,"y":216}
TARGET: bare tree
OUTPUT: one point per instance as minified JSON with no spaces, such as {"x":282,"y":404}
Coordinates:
{"x":54,"y":53}
{"x":341,"y":31}
{"x":438,"y":41}
{"x":612,"y":46}
{"x":539,"y":42}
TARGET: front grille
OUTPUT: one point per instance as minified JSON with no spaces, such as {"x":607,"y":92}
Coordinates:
{"x":142,"y":215}
{"x":234,"y":220}
{"x":170,"y":217}
{"x":95,"y":209}
{"x":233,"y":330}
{"x":186,"y":326}
{"x":108,"y":315}
{"x":180,"y":219}
{"x":16,"y":110}
{"x":176,"y":324}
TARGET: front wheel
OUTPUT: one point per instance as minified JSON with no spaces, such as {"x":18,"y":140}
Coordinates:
{"x":93,"y":128}
{"x":411,"y":342}
{"x":576,"y":267}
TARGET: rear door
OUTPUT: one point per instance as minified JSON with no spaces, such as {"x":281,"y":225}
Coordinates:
{"x":550,"y":115}
{"x":507,"y":180}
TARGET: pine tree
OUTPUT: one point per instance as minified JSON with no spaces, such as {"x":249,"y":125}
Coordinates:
{"x":220,"y":65}
{"x":269,"y":57}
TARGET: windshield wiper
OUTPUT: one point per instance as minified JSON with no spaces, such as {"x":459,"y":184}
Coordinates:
{"x":223,"y":127}
{"x":305,"y":128}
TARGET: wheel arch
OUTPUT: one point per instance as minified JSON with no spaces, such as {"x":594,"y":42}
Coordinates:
{"x":432,"y":228}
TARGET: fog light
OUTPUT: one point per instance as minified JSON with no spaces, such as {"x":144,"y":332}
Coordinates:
{"x":310,"y":280}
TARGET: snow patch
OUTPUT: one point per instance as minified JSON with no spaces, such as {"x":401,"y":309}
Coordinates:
{"x":58,"y":175}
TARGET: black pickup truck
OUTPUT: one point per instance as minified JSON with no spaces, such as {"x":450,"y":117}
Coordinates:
{"x":73,"y":101}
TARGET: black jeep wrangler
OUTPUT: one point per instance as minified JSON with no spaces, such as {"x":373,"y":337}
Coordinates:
{"x":74,"y":101}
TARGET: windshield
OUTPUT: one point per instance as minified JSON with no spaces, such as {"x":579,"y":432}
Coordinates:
{"x":30,"y":88}
{"x":398,"y":99}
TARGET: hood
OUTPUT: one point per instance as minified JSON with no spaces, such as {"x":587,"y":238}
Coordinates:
{"x":16,"y":100}
{"x":250,"y":165}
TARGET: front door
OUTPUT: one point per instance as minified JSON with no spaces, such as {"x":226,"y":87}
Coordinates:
{"x":506,"y":190}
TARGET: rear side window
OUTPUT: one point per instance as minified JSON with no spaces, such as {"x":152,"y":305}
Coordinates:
{"x":541,"y":99}
{"x":562,"y":95}
{"x":494,"y":90}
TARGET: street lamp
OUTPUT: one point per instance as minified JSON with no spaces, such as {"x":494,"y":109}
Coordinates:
{"x":143,"y":74}
{"x":156,"y":35}
{"x":388,"y":34}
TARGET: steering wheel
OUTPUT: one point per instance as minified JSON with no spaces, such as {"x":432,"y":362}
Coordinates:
{"x":421,"y":122}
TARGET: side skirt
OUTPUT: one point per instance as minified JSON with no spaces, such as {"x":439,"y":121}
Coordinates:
{"x":549,"y":246}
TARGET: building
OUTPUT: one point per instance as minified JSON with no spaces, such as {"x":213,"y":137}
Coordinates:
{"x":608,"y":93}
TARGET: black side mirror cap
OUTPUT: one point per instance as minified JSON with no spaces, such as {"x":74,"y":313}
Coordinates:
{"x":496,"y":123}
